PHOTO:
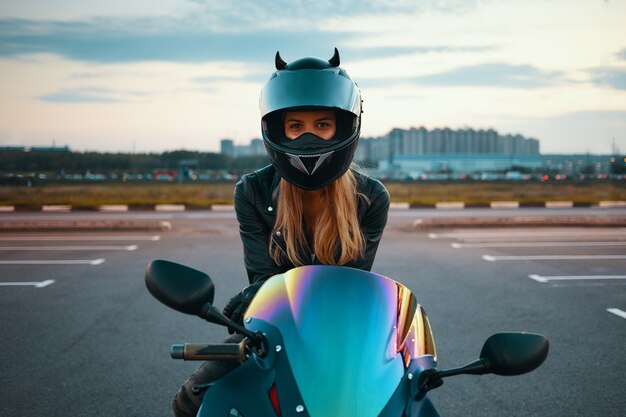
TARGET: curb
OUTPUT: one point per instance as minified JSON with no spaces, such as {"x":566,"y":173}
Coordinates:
{"x":85,"y":225}
{"x":459,"y":205}
{"x":519,"y":221}
{"x":443,"y":205}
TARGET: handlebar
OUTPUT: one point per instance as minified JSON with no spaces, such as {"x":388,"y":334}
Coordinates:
{"x":234,"y":352}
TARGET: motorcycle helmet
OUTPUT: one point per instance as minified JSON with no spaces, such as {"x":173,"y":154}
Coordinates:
{"x":310,"y":162}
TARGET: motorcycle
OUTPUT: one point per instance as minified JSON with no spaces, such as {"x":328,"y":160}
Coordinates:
{"x":322,"y":341}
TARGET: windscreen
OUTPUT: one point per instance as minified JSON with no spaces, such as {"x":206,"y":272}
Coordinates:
{"x":348,"y":335}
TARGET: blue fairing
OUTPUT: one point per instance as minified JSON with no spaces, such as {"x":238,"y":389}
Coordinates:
{"x":348,"y":335}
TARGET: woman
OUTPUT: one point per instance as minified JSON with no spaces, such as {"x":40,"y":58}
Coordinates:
{"x":310,"y":206}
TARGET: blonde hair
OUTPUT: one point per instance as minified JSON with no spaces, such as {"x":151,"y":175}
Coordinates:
{"x":337,"y":238}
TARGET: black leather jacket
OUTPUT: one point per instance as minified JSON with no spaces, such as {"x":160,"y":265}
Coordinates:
{"x":255,"y":205}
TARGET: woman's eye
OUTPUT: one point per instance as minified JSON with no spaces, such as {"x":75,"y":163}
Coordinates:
{"x":295,"y":126}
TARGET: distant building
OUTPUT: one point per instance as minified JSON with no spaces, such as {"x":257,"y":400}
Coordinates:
{"x":50,"y":149}
{"x":13,"y":148}
{"x":578,"y":163}
{"x":420,"y":141}
{"x":257,"y":147}
{"x":228,"y":147}
{"x":415,"y":165}
{"x":35,"y":148}
{"x":408,"y":153}
{"x":419,"y":150}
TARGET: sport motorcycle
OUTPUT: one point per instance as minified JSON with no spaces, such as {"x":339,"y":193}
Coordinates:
{"x":322,"y":341}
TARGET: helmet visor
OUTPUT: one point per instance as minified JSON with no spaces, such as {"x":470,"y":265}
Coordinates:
{"x":312,"y":170}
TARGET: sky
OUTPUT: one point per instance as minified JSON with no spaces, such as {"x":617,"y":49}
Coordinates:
{"x":157,"y":75}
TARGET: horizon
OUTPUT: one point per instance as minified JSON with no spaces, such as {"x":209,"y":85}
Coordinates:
{"x":131,"y":77}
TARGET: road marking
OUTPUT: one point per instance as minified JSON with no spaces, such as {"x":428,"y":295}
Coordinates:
{"x":559,"y":204}
{"x":543,"y":279}
{"x":169,"y":207}
{"x":621,"y":232}
{"x":68,"y":248}
{"x":617,"y":312}
{"x":450,"y":205}
{"x":533,"y":244}
{"x":54,"y":262}
{"x":504,"y":204}
{"x":70,"y":238}
{"x":56,"y":208}
{"x":222,"y":207}
{"x":41,"y":284}
{"x":612,"y":204}
{"x":491,"y":258}
{"x":113,"y":207}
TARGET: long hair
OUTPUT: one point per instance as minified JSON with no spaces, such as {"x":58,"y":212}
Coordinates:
{"x":338,"y":238}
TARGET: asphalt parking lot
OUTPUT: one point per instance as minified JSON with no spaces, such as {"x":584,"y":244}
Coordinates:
{"x":553,"y":257}
{"x":84,"y":337}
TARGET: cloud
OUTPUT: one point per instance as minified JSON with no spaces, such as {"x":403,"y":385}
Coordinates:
{"x":609,"y":77}
{"x":492,"y":75}
{"x":89,"y":75}
{"x":622,"y":54}
{"x":82,"y":95}
{"x":279,"y":11}
{"x":102,"y":43}
{"x":253,"y":76}
{"x":395,"y":51}
{"x":209,"y":30}
{"x":483,"y":75}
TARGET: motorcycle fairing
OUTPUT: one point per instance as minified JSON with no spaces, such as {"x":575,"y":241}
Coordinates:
{"x":402,"y":403}
{"x":245,"y":392}
{"x":247,"y":388}
{"x":349,"y":335}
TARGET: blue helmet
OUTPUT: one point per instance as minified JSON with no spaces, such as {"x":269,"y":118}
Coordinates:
{"x":310,"y":84}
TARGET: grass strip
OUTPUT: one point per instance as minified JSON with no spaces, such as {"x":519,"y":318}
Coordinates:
{"x":206,"y":194}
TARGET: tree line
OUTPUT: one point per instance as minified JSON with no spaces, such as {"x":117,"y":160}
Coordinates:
{"x":56,"y":161}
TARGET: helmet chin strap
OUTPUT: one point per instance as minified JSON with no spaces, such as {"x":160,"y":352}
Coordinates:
{"x":308,"y":142}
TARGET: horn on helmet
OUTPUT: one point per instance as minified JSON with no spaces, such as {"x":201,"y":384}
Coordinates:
{"x":334,"y":61}
{"x":280,"y":64}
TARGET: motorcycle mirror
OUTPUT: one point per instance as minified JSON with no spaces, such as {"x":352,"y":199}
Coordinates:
{"x":179,"y":287}
{"x":514,"y":353}
{"x":502,"y":354}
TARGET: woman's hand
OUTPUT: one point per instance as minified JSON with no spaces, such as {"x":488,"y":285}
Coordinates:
{"x":237,"y":305}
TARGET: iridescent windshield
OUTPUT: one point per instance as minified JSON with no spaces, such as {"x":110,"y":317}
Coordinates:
{"x":348,"y":334}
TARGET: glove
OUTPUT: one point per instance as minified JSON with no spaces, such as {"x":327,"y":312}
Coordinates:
{"x":237,"y":305}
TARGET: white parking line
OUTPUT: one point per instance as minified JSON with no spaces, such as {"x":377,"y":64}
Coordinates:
{"x":70,"y":238}
{"x":41,"y":284}
{"x":621,"y":232}
{"x":617,"y":312}
{"x":491,"y":258}
{"x":54,"y":262}
{"x":67,"y":248}
{"x":543,"y":279}
{"x":533,"y":244}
